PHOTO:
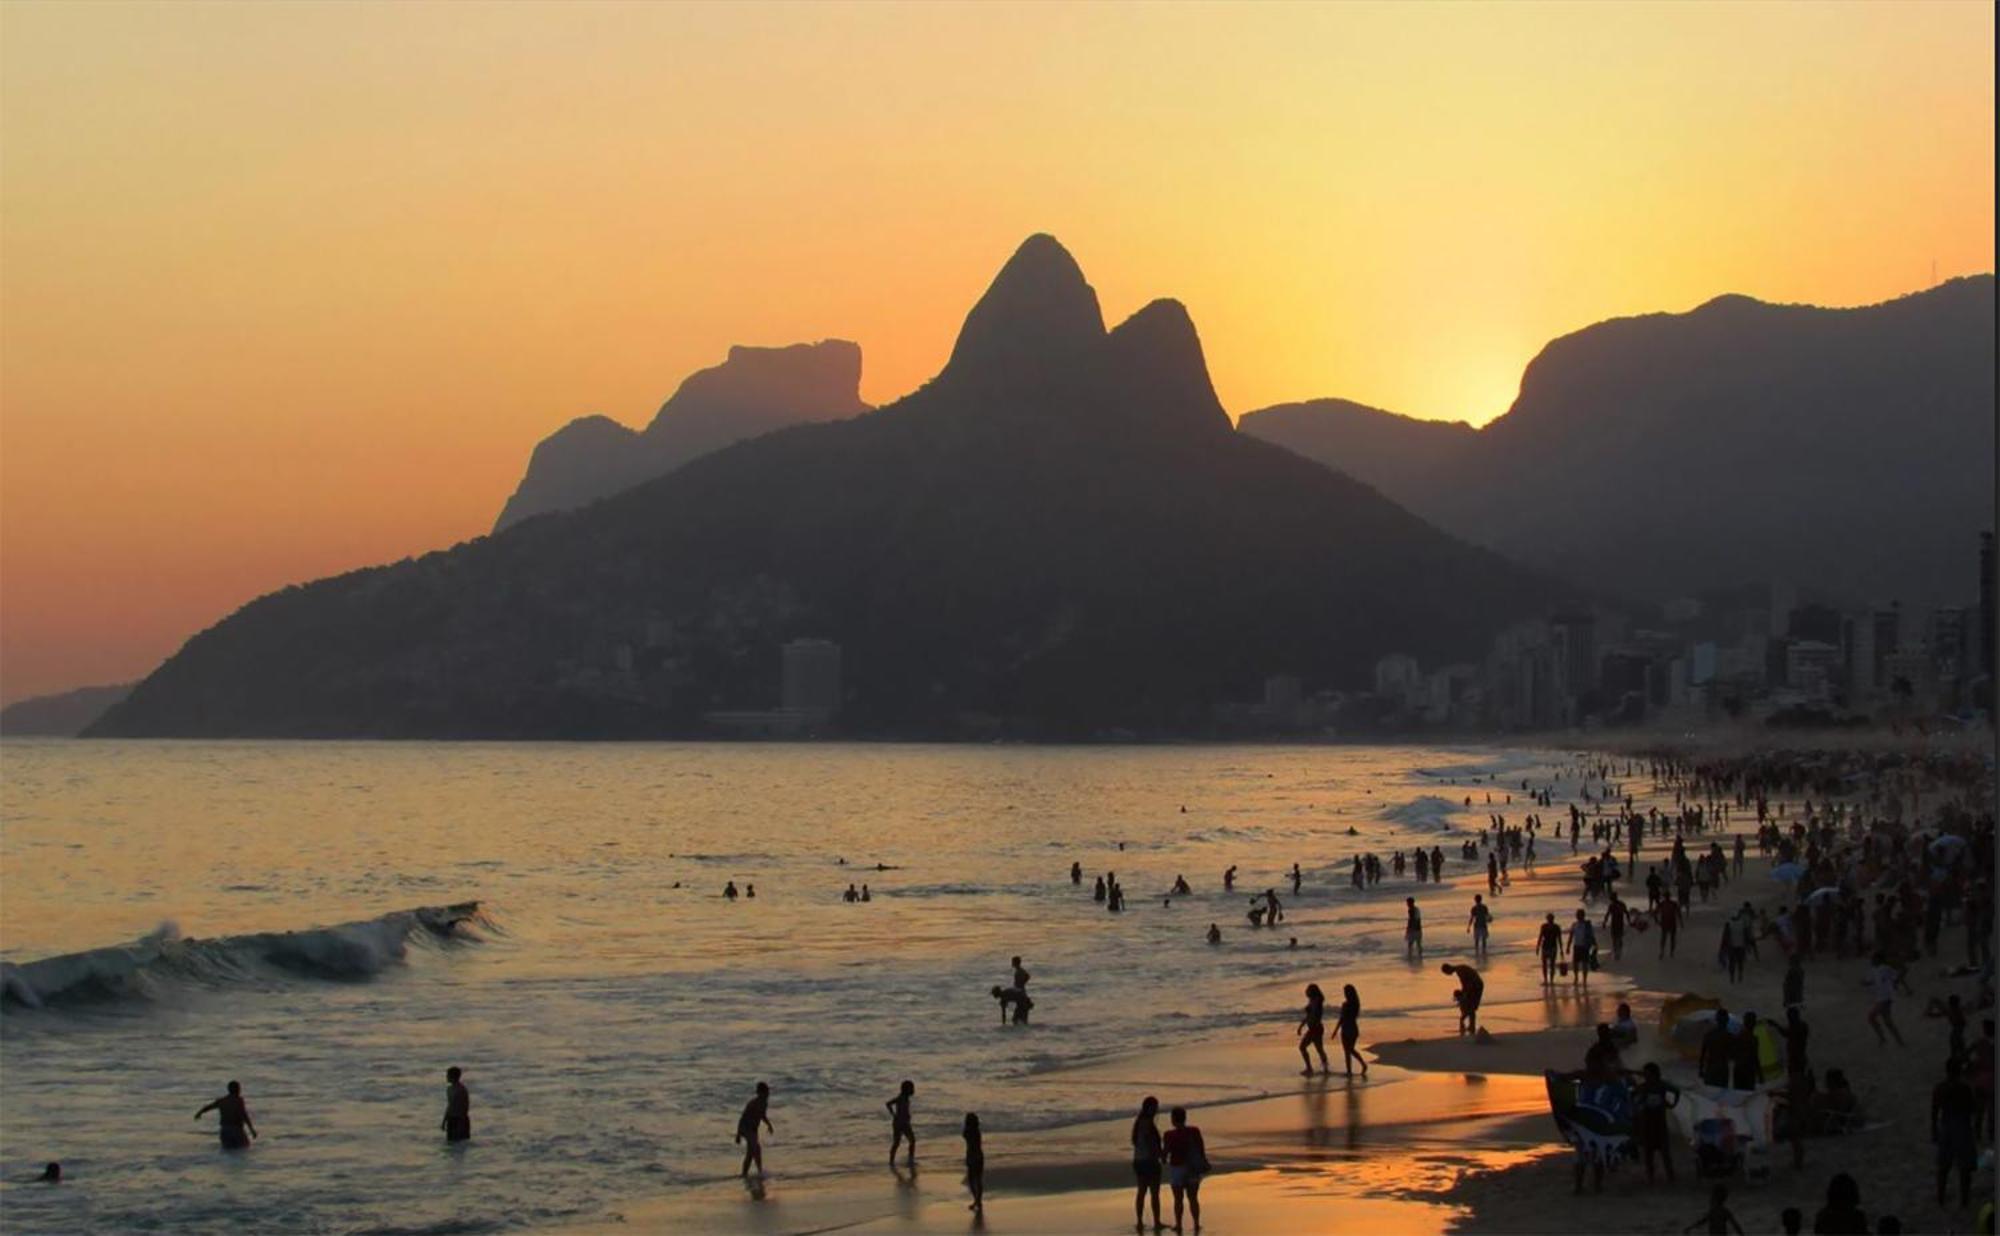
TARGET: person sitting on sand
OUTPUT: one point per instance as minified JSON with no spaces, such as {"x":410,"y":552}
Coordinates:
{"x":1214,"y":934}
{"x":755,"y":1112}
{"x":1312,"y":1028}
{"x":1624,"y":1030}
{"x":900,"y":1127}
{"x":1471,"y":988}
{"x":975,"y":1163}
{"x":1350,"y":1029}
{"x":234,"y":1117}
{"x":1842,"y":1215}
{"x":1146,"y":1163}
{"x":1720,"y":1222}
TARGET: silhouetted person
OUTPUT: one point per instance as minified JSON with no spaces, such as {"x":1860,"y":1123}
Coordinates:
{"x":1717,"y":1217}
{"x":1214,"y":934}
{"x":755,"y":1113}
{"x":234,"y":1115}
{"x":729,"y":890}
{"x":1350,"y":1029}
{"x":1187,"y":1163}
{"x":1480,"y":923}
{"x":1842,"y":1215}
{"x":1954,"y":1104}
{"x":457,"y":1122}
{"x":1471,"y":988}
{"x":1146,"y":1158}
{"x":1312,"y":1029}
{"x":1413,"y":930}
{"x":975,"y":1162}
{"x":1718,"y":1047}
{"x":1296,"y":879}
{"x":1020,"y":976}
{"x":899,"y":1120}
{"x":52,"y":1174}
{"x":1746,"y":1058}
{"x":1075,"y":877}
{"x":1229,"y":880}
{"x":1652,"y":1100}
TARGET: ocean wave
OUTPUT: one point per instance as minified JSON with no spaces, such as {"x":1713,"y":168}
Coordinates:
{"x":140,"y":970}
{"x":1426,"y":811}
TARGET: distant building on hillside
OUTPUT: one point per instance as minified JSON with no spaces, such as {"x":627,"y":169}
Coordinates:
{"x":811,"y":678}
{"x":1398,"y":679}
{"x":1986,"y":611}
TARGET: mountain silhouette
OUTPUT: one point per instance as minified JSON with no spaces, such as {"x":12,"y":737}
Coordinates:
{"x":1848,"y":450}
{"x":753,"y":392}
{"x":63,"y":715}
{"x":1059,"y":535}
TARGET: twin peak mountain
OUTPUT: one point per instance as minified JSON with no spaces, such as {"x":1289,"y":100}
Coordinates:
{"x":1059,"y":535}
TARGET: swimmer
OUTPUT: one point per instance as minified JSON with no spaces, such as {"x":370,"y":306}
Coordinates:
{"x":234,"y":1115}
{"x":457,"y":1123}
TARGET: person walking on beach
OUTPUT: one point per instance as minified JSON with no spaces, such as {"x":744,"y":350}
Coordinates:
{"x":1187,"y":1163}
{"x":1582,"y":949}
{"x":1146,"y":1157}
{"x":1668,"y":916}
{"x":1746,"y":1057}
{"x":1954,"y":1105}
{"x":1350,"y":1029}
{"x":1471,"y":988}
{"x":975,"y":1163}
{"x":1718,"y":1048}
{"x":1413,"y":930}
{"x":457,"y":1107}
{"x":1615,"y":916}
{"x":755,"y":1113}
{"x":1654,"y":1097}
{"x":1313,"y":1028}
{"x":1882,"y":982}
{"x":1479,"y":923}
{"x":234,"y":1117}
{"x":899,"y":1120}
{"x":1549,"y":947}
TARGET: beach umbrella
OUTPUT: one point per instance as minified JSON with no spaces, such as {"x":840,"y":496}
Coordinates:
{"x":1789,"y":873}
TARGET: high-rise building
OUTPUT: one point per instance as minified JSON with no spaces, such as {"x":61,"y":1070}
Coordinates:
{"x":1886,"y":626}
{"x":1986,"y":614}
{"x":812,"y":677}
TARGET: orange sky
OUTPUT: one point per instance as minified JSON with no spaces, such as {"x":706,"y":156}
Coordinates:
{"x":290,"y":289}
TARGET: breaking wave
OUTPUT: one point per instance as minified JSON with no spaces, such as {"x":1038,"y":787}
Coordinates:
{"x":1428,"y":811}
{"x":141,"y":970}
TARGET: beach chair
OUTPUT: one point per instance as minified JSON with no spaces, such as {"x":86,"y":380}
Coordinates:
{"x":1600,"y":1126}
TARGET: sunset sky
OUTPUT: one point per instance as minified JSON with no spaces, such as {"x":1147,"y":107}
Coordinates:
{"x":291,"y":289}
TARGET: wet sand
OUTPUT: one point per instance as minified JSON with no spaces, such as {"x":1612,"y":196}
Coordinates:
{"x":1446,"y":1134}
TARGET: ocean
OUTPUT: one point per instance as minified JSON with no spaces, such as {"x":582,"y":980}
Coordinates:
{"x":178,"y":914}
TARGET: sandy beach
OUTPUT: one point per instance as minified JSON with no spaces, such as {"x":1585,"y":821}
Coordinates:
{"x":1445,"y":1134}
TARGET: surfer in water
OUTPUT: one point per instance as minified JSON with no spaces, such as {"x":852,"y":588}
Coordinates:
{"x":457,"y":1107}
{"x":235,"y":1117}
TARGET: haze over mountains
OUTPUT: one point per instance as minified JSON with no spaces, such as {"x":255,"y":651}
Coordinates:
{"x":1849,"y":450}
{"x":1061,"y":533}
{"x":753,"y":392}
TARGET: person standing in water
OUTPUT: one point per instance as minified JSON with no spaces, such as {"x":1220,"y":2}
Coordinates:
{"x":1479,"y":923}
{"x":457,"y":1123}
{"x":1297,"y":877}
{"x":1313,"y":1028}
{"x":1413,"y":930}
{"x":234,"y":1115}
{"x":1146,"y":1155}
{"x":975,"y":1163}
{"x":1350,"y":1029}
{"x":899,"y":1121}
{"x":755,"y":1113}
{"x":1020,"y":976}
{"x":1075,"y":877}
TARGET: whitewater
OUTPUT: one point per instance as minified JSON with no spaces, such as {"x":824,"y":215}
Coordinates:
{"x":335,"y":923}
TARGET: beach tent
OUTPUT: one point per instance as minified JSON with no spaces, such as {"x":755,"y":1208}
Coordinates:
{"x":1685,"y":1010}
